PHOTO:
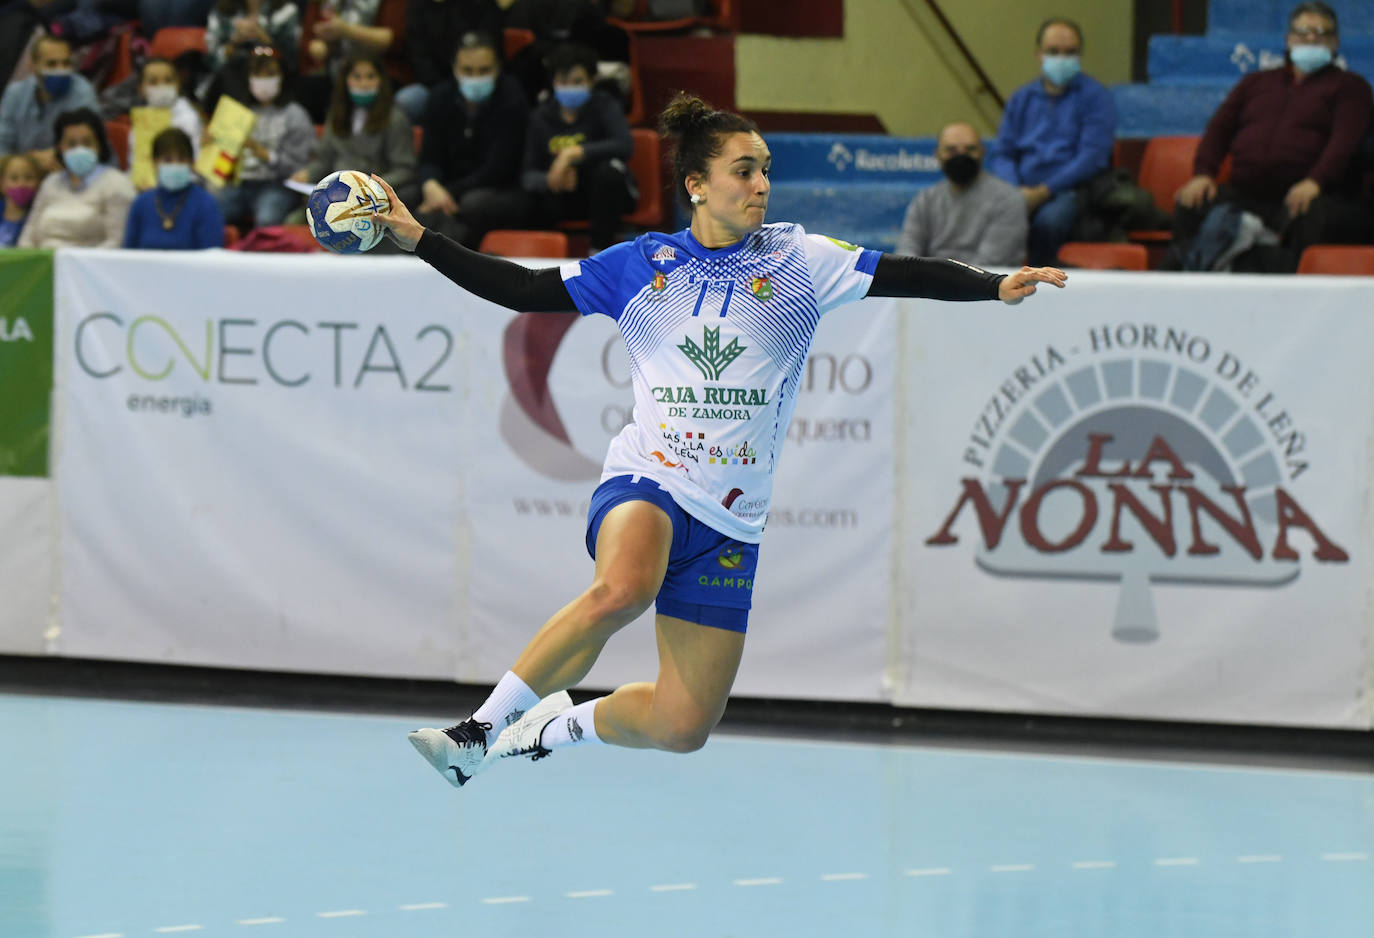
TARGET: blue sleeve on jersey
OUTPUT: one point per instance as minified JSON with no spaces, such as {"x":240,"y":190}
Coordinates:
{"x":599,"y":285}
{"x":868,"y":261}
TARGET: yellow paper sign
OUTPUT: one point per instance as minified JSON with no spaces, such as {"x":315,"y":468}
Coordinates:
{"x":229,"y":128}
{"x":146,"y":123}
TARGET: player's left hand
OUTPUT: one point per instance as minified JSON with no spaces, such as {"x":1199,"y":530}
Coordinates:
{"x":1016,"y":287}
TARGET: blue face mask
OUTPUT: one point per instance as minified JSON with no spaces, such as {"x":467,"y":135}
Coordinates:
{"x":1060,"y":69}
{"x":572,"y":98}
{"x":362,"y":98}
{"x":477,"y":90}
{"x":58,"y":82}
{"x":174,"y":176}
{"x":80,"y":161}
{"x":1308,"y":59}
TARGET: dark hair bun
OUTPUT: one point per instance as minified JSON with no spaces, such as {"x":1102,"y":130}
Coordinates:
{"x":685,"y":114}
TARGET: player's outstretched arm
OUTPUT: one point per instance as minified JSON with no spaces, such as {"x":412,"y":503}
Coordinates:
{"x":492,"y":278}
{"x":943,"y":279}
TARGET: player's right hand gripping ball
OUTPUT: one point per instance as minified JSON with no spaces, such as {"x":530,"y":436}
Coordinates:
{"x":341,"y":210}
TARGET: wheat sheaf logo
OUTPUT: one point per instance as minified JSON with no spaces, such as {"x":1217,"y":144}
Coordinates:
{"x":709,"y":357}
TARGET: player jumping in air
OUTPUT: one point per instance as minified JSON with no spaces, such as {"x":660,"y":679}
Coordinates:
{"x":718,"y":320}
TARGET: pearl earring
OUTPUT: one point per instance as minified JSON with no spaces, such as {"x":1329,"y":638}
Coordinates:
{"x":696,"y":199}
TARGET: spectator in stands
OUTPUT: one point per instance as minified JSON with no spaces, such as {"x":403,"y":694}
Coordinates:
{"x":365,"y":130}
{"x":237,"y":27}
{"x":576,"y":150}
{"x":473,"y":142}
{"x":1057,"y":133}
{"x":1293,"y":135}
{"x":554,"y":22}
{"x":159,"y":14}
{"x":970,"y":214}
{"x":433,"y":29}
{"x":178,"y":213}
{"x":30,"y":106}
{"x":283,"y":141}
{"x":86,"y":203}
{"x":19,"y":178}
{"x":160,"y":86}
{"x":345,"y":28}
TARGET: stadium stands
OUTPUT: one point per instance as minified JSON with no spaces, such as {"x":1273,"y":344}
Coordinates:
{"x":1337,"y":259}
{"x":1103,"y":256}
{"x":511,"y":243}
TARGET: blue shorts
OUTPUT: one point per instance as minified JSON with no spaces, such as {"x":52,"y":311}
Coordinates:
{"x":710,"y":578}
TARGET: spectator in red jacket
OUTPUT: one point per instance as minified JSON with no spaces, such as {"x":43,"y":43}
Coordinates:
{"x":1293,"y":135}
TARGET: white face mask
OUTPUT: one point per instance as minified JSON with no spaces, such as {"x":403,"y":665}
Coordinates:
{"x":161,"y":95}
{"x":265,"y":87}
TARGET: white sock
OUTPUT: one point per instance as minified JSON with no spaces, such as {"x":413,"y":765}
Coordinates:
{"x":506,"y":704}
{"x":573,"y":727}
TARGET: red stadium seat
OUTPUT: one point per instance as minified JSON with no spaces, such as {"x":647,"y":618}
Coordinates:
{"x":117,"y":131}
{"x":1350,"y":259}
{"x":1165,"y":167}
{"x":1095,"y":255}
{"x":513,"y":40}
{"x":171,"y":41}
{"x":510,"y":243}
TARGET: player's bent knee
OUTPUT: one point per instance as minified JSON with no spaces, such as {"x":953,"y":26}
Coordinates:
{"x":683,"y":738}
{"x":620,"y":601}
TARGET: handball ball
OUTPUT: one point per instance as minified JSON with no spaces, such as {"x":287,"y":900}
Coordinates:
{"x":340,"y":210}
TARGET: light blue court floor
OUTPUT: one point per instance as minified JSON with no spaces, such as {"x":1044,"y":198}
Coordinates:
{"x":146,"y":819}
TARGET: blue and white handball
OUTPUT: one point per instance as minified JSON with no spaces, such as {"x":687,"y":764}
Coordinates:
{"x":340,"y":210}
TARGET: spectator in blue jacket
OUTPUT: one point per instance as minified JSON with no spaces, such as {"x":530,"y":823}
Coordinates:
{"x":1057,"y":134}
{"x":30,"y":106}
{"x":176,"y":214}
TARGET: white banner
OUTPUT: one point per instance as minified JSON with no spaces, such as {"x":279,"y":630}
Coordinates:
{"x":257,"y":462}
{"x":1143,"y":496}
{"x":26,"y":563}
{"x":353,"y":466}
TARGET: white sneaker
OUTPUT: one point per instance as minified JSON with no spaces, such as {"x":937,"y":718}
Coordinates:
{"x":521,"y":738}
{"x":457,"y":753}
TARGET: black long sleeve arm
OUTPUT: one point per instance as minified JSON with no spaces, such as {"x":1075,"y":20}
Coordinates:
{"x":499,"y":281}
{"x":933,"y":278}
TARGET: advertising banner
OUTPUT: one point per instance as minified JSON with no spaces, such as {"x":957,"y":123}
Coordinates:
{"x":26,"y":537}
{"x":1143,"y":496}
{"x":257,"y":467}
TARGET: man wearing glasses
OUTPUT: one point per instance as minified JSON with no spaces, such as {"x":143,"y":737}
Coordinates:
{"x":1293,"y":135}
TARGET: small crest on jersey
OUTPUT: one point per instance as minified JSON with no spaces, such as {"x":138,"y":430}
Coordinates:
{"x":762,"y":287}
{"x":776,"y":255}
{"x":659,"y":283}
{"x":664,"y":253}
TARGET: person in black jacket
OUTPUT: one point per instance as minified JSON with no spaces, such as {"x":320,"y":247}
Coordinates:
{"x":576,"y":151}
{"x":433,"y":28}
{"x":470,"y":155}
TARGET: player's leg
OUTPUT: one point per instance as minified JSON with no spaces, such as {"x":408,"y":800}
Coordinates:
{"x":633,"y":541}
{"x":696,"y":669}
{"x":632,"y":549}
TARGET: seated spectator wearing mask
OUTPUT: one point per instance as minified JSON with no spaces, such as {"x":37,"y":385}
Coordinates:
{"x":365,"y":130}
{"x":970,"y":214}
{"x":19,"y":178}
{"x":282,"y":141}
{"x":30,"y":106}
{"x":473,"y":142}
{"x":159,"y":85}
{"x":87,"y":202}
{"x":576,"y":150}
{"x":433,"y":31}
{"x":1293,"y":135}
{"x":177,"y":214}
{"x":1057,"y":133}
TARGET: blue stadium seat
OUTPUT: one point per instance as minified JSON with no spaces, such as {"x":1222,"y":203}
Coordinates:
{"x":1166,"y":110}
{"x":1231,"y":17}
{"x":1211,"y":59}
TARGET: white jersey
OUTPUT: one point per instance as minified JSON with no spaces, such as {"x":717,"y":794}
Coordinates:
{"x":717,"y":343}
